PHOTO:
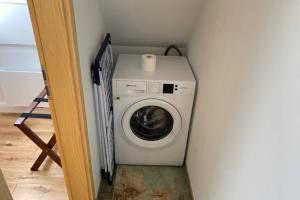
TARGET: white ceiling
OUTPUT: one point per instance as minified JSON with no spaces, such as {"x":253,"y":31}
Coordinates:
{"x":150,"y":22}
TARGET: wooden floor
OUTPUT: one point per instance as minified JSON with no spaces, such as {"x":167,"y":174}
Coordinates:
{"x":18,"y":153}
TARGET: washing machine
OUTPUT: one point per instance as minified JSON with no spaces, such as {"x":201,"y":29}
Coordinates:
{"x":152,"y":110}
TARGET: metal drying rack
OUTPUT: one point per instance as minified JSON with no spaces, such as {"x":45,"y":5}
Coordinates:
{"x":102,"y":71}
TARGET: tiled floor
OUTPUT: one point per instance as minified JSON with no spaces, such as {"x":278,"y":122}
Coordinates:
{"x":147,"y":183}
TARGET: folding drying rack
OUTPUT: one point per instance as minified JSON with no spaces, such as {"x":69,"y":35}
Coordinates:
{"x":102,"y":71}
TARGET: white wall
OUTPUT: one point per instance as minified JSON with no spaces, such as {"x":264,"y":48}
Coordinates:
{"x":15,"y":24}
{"x":154,"y":23}
{"x":19,"y":58}
{"x":17,"y":45}
{"x":245,"y":140}
{"x":90,"y":33}
{"x":19,"y":62}
{"x":142,"y":50}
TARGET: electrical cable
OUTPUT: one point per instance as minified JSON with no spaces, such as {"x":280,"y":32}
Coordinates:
{"x":173,"y":47}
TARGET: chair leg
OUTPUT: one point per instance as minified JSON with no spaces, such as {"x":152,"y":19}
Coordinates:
{"x":43,"y":155}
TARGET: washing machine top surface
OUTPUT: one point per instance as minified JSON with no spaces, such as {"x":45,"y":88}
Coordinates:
{"x":171,"y":68}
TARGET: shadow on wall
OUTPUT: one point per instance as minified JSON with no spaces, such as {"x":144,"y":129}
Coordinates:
{"x":244,"y":59}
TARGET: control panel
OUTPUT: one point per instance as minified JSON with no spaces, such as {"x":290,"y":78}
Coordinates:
{"x":137,"y":88}
{"x":177,"y":88}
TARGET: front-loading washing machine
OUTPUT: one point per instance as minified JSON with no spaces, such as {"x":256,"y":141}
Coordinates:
{"x":152,"y":110}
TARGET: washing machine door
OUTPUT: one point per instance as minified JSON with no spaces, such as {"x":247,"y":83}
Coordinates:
{"x":151,"y":123}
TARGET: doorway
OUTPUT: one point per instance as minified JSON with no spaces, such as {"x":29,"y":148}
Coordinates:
{"x":21,"y":81}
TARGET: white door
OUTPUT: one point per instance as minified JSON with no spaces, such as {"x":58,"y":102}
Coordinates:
{"x":151,"y":123}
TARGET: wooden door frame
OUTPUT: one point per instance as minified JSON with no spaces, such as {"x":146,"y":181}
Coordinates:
{"x":55,"y":35}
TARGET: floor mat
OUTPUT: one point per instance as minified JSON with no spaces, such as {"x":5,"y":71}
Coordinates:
{"x":148,"y":183}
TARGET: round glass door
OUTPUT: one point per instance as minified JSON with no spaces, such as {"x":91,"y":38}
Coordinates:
{"x":151,"y":123}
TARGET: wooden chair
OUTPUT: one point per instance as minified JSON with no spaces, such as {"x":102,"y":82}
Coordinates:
{"x":46,"y":148}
